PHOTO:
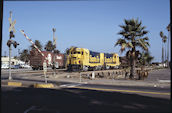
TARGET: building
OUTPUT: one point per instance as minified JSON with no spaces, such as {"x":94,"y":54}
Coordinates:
{"x":5,"y":60}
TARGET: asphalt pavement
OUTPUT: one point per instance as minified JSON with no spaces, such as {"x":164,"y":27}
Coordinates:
{"x":85,"y":95}
{"x":39,"y":100}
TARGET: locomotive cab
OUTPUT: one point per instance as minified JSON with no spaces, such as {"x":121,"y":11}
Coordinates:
{"x":76,"y":58}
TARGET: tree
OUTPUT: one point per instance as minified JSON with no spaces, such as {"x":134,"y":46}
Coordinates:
{"x":164,"y":40}
{"x":15,"y":57}
{"x":38,"y":44}
{"x":49,"y":46}
{"x":145,"y":58}
{"x":162,"y":35}
{"x":132,"y":37}
{"x":67,"y":51}
{"x":24,"y":56}
{"x":56,"y":51}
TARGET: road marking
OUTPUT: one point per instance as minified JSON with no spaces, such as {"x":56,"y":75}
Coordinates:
{"x":130,"y":91}
{"x":31,"y":108}
{"x":70,"y":85}
{"x":165,"y":81}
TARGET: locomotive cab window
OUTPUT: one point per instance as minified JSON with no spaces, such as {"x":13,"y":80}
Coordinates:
{"x":76,"y":52}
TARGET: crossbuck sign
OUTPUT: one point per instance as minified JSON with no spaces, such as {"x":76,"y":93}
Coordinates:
{"x":12,"y":25}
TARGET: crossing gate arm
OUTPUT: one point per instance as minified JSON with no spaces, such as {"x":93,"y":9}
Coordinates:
{"x":22,"y":31}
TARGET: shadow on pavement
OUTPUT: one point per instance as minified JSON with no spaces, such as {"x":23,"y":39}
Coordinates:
{"x":32,"y":100}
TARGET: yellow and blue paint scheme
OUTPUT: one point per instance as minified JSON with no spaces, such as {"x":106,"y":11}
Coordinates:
{"x":84,"y":59}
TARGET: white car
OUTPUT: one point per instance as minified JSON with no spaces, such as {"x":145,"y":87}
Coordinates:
{"x":4,"y":66}
{"x":25,"y":66}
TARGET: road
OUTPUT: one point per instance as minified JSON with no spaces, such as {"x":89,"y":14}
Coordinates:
{"x":32,"y":100}
{"x":83,"y":97}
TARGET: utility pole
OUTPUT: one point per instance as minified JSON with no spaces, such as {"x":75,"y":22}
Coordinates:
{"x":5,"y":54}
{"x":54,"y":44}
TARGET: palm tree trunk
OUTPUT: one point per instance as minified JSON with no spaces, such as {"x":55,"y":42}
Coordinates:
{"x":132,"y":64}
{"x":165,"y":57}
{"x":162,"y":54}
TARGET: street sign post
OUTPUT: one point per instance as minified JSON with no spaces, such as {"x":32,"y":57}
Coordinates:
{"x":45,"y":70}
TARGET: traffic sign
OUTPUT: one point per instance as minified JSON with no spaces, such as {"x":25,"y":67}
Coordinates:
{"x":12,"y":25}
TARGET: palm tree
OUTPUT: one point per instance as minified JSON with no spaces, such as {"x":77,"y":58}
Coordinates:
{"x":164,"y":41}
{"x":132,"y":37}
{"x":24,"y":56}
{"x":145,"y":58}
{"x":67,"y":51}
{"x":56,"y":51}
{"x":49,"y":46}
{"x":38,"y":44}
{"x":162,"y":36}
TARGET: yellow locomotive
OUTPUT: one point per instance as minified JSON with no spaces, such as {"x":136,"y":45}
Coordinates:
{"x":84,"y":59}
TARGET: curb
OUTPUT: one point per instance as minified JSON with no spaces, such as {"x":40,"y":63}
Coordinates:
{"x":28,"y":84}
{"x":14,"y":84}
{"x":43,"y":85}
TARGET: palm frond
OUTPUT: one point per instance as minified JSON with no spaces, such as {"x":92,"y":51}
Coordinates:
{"x":164,"y":39}
{"x":161,"y":34}
{"x":144,"y":32}
{"x":130,"y":45}
{"x":143,"y":45}
{"x":145,"y":38}
{"x":120,"y":42}
{"x":123,"y":46}
{"x":168,"y":27}
{"x":126,"y":21}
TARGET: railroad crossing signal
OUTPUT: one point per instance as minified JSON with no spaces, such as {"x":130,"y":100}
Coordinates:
{"x":10,"y":41}
{"x":12,"y":25}
{"x":12,"y":34}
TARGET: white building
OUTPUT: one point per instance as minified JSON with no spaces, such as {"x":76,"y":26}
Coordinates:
{"x":5,"y":60}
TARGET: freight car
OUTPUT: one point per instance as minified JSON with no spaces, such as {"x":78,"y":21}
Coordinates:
{"x":36,"y":59}
{"x":84,"y":59}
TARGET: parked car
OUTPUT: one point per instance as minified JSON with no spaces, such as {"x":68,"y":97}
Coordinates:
{"x":12,"y":66}
{"x":25,"y":66}
{"x":4,"y":66}
{"x":17,"y":66}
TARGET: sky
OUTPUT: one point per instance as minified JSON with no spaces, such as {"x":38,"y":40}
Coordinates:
{"x":87,"y":24}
